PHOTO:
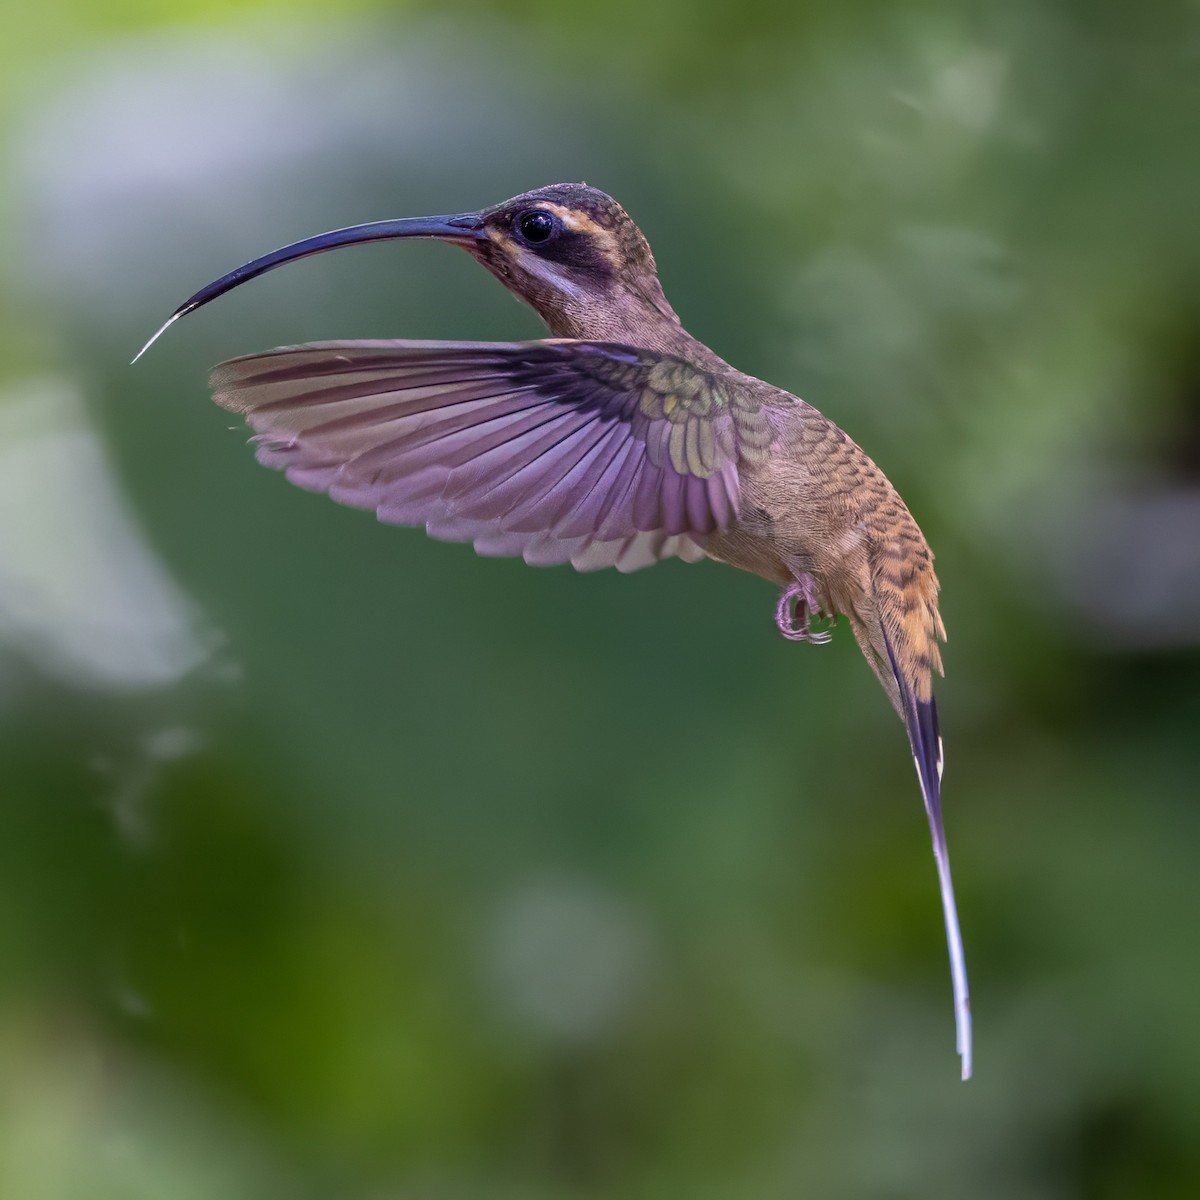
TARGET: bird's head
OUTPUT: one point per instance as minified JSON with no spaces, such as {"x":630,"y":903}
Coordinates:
{"x":569,"y":250}
{"x":577,"y":257}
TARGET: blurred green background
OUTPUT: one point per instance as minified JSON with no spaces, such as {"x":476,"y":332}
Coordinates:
{"x":335,"y":862}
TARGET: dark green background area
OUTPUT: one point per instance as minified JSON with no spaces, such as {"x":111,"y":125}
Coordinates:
{"x":337,"y":862}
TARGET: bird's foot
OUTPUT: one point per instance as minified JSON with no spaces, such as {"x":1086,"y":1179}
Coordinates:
{"x":797,"y":624}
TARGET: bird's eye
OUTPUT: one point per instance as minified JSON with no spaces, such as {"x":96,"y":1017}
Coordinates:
{"x":537,"y":225}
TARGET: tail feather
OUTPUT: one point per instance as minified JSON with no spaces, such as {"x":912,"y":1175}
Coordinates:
{"x":924,"y":737}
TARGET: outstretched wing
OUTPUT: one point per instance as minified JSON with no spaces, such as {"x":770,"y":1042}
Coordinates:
{"x":558,"y":451}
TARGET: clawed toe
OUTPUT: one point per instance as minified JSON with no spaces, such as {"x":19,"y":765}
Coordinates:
{"x":797,"y":625}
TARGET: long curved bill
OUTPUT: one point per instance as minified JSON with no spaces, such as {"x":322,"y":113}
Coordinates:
{"x":463,"y":228}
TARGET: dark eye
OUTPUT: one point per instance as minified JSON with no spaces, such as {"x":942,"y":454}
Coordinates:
{"x":537,"y":225}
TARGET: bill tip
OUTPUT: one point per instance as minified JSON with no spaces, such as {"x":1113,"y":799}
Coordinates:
{"x":161,"y":330}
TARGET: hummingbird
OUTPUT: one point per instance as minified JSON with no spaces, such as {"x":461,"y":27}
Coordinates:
{"x":617,"y":441}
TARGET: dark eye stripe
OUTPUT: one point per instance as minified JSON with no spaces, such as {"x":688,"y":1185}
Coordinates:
{"x":580,"y":253}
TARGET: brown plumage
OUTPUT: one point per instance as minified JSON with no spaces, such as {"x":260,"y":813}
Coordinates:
{"x":619,"y":441}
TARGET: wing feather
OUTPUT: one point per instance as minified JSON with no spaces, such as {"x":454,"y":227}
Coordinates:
{"x":559,"y":451}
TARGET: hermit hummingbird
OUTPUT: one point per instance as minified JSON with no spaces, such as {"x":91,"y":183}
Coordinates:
{"x":618,"y":441}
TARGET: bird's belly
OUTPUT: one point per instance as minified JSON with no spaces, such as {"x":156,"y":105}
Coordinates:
{"x":749,"y":549}
{"x":783,"y":541}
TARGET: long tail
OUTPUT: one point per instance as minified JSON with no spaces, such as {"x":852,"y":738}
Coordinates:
{"x":921,"y":722}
